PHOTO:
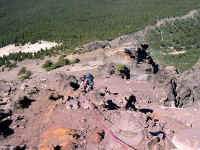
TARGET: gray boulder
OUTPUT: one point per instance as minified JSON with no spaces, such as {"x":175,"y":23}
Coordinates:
{"x":184,"y":90}
{"x":96,"y":45}
{"x":4,"y":88}
{"x":187,"y":139}
{"x":67,"y":81}
{"x":128,"y":129}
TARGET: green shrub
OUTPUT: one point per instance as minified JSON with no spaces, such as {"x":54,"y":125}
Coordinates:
{"x":119,"y":67}
{"x":75,"y":61}
{"x":22,"y":71}
{"x":62,"y":61}
{"x":47,"y":64}
{"x":11,"y":65}
{"x":27,"y":75}
{"x":24,"y":74}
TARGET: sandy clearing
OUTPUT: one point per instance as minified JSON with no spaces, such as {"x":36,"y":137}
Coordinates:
{"x":27,"y":47}
{"x":177,"y":52}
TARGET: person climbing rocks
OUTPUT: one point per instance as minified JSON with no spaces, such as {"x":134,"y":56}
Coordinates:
{"x":87,"y":82}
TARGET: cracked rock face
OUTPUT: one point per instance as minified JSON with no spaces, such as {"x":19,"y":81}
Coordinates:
{"x":184,"y":90}
{"x":128,"y":129}
{"x":181,"y":90}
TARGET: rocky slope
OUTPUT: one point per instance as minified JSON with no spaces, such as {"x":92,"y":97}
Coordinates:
{"x":133,"y":105}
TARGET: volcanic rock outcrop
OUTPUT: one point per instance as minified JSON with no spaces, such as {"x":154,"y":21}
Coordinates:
{"x":183,"y":89}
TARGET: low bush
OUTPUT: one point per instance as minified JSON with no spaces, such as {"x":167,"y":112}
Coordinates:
{"x":75,"y":61}
{"x":62,"y":61}
{"x":24,"y":74}
{"x":11,"y":65}
{"x":48,"y":64}
{"x":27,"y":75}
{"x":119,"y":67}
{"x":22,"y":71}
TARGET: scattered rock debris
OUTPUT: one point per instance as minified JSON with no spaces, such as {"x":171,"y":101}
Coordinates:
{"x":129,"y":107}
{"x":55,"y":96}
{"x":97,"y":135}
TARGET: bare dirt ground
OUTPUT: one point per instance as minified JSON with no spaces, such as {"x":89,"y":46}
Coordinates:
{"x":177,"y":52}
{"x":45,"y":115}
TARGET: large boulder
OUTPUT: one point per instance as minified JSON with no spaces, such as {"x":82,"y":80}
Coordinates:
{"x":4,"y":88}
{"x":29,"y":89}
{"x":65,"y":82}
{"x":5,"y":123}
{"x":171,"y":93}
{"x":115,"y":69}
{"x":4,"y":114}
{"x":7,"y":91}
{"x":184,"y":89}
{"x":128,"y":129}
{"x":142,"y":59}
{"x":187,"y":139}
{"x":188,"y":87}
{"x":96,"y":45}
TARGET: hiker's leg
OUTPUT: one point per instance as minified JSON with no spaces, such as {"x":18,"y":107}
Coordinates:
{"x":87,"y":88}
{"x":92,"y":86}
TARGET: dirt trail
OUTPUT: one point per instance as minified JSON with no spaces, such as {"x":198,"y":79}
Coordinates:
{"x":166,"y":20}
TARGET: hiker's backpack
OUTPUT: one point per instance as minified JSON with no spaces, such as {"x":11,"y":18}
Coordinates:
{"x":90,"y":78}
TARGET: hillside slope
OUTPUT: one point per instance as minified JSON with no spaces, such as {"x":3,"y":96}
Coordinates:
{"x":76,"y":22}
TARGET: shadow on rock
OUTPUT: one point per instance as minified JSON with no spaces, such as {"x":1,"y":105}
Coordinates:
{"x":5,"y":129}
{"x":54,"y":96}
{"x":4,"y":114}
{"x":25,"y":102}
{"x":130,"y":105}
{"x":146,"y":110}
{"x":157,"y":133}
{"x":74,"y":85}
{"x":57,"y":147}
{"x":20,"y":147}
{"x":111,"y":106}
{"x":125,"y":73}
